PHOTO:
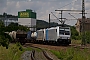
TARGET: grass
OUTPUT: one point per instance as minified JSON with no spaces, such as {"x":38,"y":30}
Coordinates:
{"x":71,"y":53}
{"x":12,"y":53}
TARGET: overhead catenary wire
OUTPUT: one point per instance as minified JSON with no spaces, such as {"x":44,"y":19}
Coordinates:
{"x":67,"y":4}
{"x":69,"y":10}
{"x":55,"y":16}
{"x":73,"y":16}
{"x":62,"y":21}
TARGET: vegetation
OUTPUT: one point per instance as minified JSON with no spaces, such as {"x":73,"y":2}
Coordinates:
{"x":87,"y":37}
{"x":15,"y":27}
{"x":74,"y":34}
{"x":8,"y":15}
{"x":73,"y":54}
{"x":5,"y":39}
{"x":13,"y":52}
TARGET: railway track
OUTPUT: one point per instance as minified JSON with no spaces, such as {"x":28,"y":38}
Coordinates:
{"x":43,"y":55}
{"x":35,"y":55}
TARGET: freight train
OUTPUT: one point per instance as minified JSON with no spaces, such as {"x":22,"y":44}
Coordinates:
{"x":57,"y":35}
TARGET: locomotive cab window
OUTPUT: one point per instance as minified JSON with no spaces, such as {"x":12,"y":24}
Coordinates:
{"x":61,"y":31}
{"x":64,"y":31}
{"x":67,"y":33}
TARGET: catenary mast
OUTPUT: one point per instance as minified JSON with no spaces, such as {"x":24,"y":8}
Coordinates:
{"x":83,"y":23}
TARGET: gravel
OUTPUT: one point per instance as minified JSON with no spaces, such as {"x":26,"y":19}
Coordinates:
{"x":26,"y":55}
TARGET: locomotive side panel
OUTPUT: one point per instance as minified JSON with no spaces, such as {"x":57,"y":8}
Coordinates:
{"x":51,"y":35}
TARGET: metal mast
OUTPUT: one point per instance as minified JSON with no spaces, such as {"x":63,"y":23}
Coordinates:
{"x":49,"y":20}
{"x":83,"y":23}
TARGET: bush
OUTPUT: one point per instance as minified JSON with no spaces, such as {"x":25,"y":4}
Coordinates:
{"x":19,"y":46}
{"x":4,"y":42}
{"x":74,"y":33}
{"x":87,"y":37}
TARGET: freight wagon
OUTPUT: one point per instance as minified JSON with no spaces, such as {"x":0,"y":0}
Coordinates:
{"x":21,"y":37}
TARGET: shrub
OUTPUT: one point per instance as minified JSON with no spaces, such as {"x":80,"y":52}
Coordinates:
{"x":19,"y":46}
{"x":87,"y":37}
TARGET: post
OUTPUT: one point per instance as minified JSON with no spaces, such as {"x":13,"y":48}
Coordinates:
{"x":61,"y":19}
{"x":49,"y":20}
{"x":83,"y":23}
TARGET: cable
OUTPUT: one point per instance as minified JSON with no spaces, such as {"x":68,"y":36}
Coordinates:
{"x":67,"y":4}
{"x":55,"y":16}
{"x":72,"y":16}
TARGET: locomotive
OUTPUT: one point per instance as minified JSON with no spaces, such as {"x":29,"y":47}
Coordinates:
{"x":58,"y":35}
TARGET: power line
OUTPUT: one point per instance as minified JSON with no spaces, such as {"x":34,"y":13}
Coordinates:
{"x":72,"y":16}
{"x":55,"y":16}
{"x":66,"y":4}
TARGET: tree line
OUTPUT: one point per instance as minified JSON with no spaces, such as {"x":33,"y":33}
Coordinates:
{"x":5,"y":39}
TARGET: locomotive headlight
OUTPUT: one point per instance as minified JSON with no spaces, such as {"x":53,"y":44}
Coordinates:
{"x":68,"y":38}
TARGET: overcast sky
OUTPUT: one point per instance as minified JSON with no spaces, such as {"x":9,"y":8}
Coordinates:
{"x":45,"y":7}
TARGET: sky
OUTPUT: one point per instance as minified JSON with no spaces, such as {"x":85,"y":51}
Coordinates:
{"x":44,"y":7}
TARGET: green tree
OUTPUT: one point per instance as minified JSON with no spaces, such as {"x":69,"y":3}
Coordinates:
{"x":74,"y":33}
{"x":4,"y":38}
{"x":1,"y":26}
{"x":12,"y":27}
{"x":24,"y":28}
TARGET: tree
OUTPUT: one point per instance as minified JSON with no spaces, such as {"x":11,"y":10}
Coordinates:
{"x":24,"y":28}
{"x":4,"y":38}
{"x":1,"y":26}
{"x":74,"y":33}
{"x":12,"y":27}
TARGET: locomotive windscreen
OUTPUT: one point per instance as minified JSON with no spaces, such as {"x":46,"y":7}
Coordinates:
{"x":64,"y":31}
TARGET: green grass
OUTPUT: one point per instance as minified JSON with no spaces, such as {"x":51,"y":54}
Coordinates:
{"x":12,"y":53}
{"x":38,"y":50}
{"x":73,"y":54}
